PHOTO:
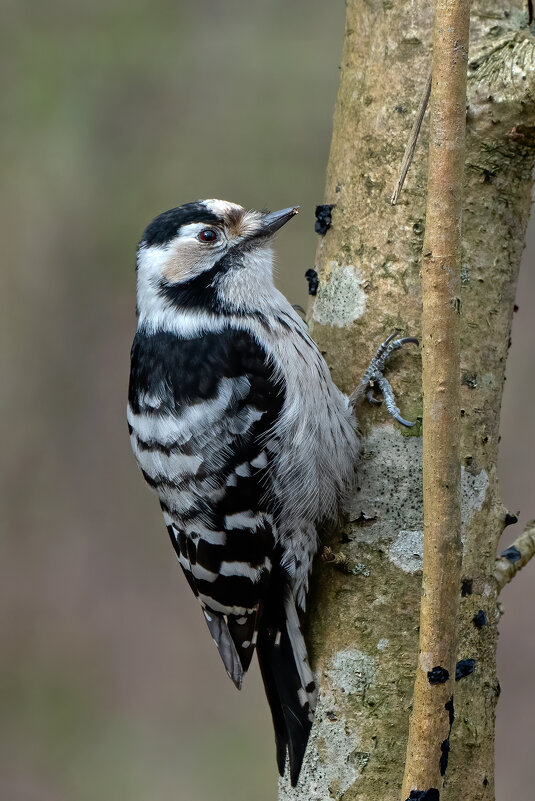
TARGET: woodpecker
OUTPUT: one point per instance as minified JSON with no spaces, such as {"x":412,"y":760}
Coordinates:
{"x":238,"y":427}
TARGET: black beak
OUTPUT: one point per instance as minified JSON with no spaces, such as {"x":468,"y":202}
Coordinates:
{"x":276,"y":219}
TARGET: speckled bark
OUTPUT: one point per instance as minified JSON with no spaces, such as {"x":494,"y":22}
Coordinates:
{"x":363,"y":618}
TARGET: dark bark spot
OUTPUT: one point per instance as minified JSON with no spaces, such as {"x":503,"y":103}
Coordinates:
{"x":510,"y":519}
{"x":445,"y":750}
{"x":480,"y":619}
{"x":438,"y":675}
{"x":464,"y":668}
{"x":424,"y":795}
{"x":448,"y":706}
{"x":512,"y":554}
{"x":323,"y":219}
{"x":466,"y":587}
{"x":469,"y":380}
{"x":313,"y":281}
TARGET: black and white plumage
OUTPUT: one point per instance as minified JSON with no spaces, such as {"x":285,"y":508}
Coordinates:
{"x":238,"y":427}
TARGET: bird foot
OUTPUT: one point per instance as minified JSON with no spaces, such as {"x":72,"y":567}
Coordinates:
{"x":373,"y":377}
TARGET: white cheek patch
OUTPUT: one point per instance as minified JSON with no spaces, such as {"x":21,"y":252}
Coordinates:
{"x":182,"y":258}
{"x":150,"y":262}
{"x":188,"y":257}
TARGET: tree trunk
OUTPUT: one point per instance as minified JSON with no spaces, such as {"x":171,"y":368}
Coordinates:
{"x":364,"y":605}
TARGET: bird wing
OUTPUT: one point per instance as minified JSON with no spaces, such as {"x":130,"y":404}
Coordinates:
{"x":202,"y":446}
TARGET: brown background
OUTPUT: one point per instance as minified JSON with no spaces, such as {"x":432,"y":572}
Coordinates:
{"x":113,"y":111}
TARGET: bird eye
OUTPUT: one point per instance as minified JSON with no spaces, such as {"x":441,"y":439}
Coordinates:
{"x":208,"y":235}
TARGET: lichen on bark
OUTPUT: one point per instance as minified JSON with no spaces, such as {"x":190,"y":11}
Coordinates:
{"x":362,"y":620}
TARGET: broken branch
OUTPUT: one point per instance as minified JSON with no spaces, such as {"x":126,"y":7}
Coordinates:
{"x":516,"y":556}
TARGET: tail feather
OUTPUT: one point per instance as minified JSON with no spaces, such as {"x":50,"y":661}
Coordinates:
{"x":263,"y":649}
{"x":299,"y":648}
{"x":243,"y":633}
{"x":289,"y":685}
{"x":225,"y":645}
{"x":235,"y":638}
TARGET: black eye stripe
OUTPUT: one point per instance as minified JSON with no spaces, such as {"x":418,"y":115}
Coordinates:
{"x":165,"y":226}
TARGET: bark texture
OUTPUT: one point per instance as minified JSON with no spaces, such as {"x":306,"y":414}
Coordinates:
{"x":364,"y":606}
{"x":430,"y":722}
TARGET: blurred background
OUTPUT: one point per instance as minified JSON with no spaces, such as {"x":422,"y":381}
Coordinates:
{"x":110,"y":687}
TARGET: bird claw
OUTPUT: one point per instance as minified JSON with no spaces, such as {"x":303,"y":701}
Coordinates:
{"x":403,"y":422}
{"x":374,"y":377}
{"x":370,"y":397}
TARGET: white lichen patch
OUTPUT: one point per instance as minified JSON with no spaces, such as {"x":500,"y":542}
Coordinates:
{"x":381,"y":600}
{"x":390,"y":486}
{"x":426,"y":660}
{"x":473,"y":493}
{"x":342,"y":299}
{"x":390,"y":495}
{"x":407,"y":551}
{"x":333,"y":761}
{"x":352,"y":671}
{"x":382,"y":645}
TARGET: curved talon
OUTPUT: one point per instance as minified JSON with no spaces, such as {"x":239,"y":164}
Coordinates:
{"x":403,"y":422}
{"x":374,"y":377}
{"x":370,"y":397}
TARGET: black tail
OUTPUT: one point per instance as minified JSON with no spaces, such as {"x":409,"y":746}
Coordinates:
{"x":289,"y":685}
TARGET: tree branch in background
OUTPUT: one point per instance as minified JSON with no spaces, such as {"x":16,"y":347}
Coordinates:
{"x":516,"y":556}
{"x":431,"y":718}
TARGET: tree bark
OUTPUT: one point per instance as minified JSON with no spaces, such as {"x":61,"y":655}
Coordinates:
{"x":433,"y":700}
{"x":364,"y":605}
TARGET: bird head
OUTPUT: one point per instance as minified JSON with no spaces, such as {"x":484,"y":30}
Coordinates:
{"x":211,"y":255}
